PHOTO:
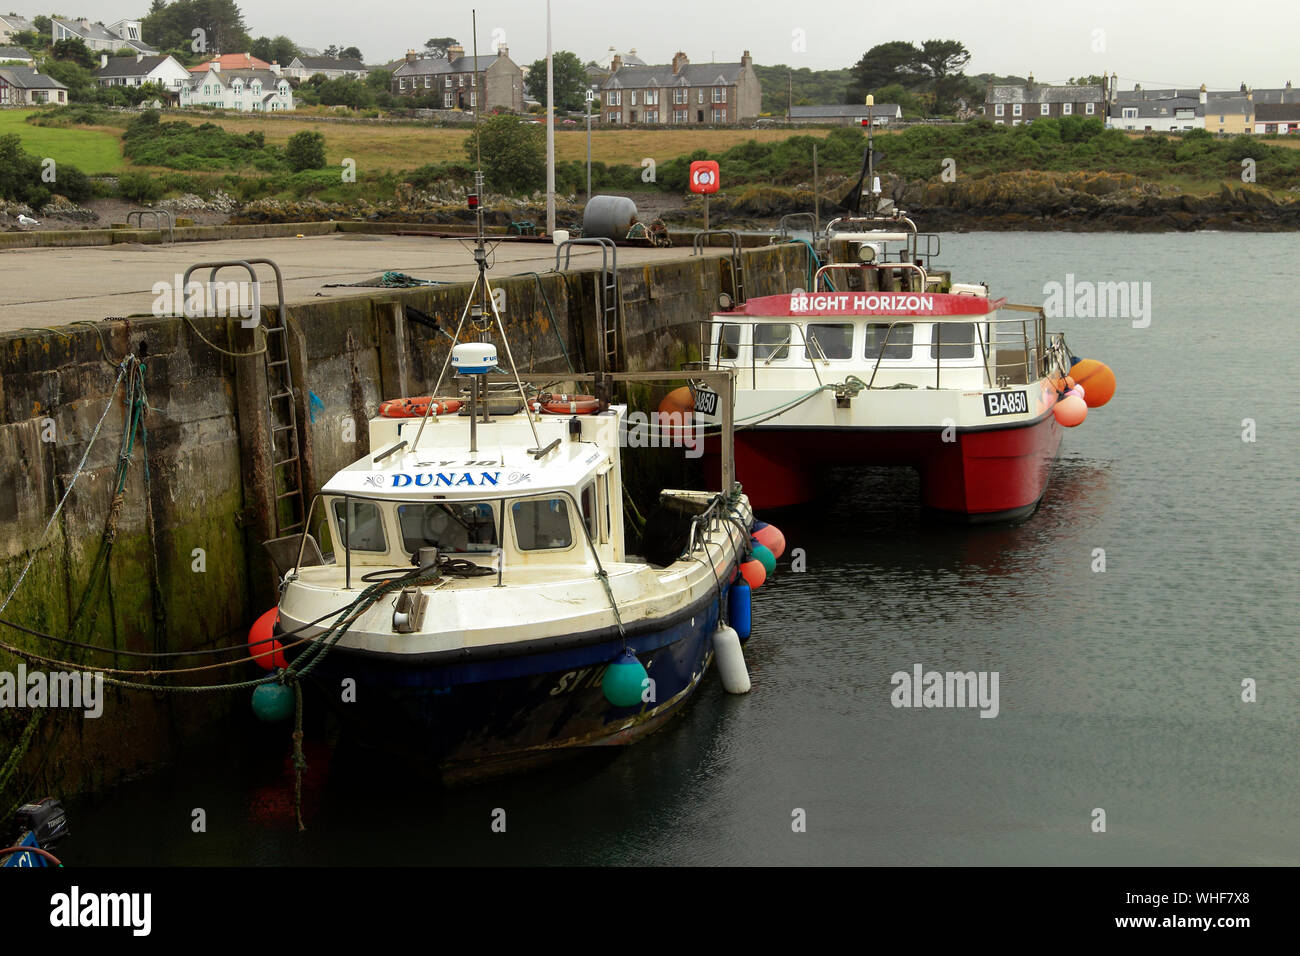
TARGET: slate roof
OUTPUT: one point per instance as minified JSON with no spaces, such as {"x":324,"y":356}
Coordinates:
{"x":268,"y":78}
{"x":14,"y":53}
{"x":323,"y":63}
{"x":661,"y":75}
{"x":26,"y":78}
{"x":1223,"y":105}
{"x":1275,"y":112}
{"x":129,"y":66}
{"x":441,"y":65}
{"x":1040,"y":93}
{"x":1159,"y":109}
{"x":841,"y":110}
{"x":18,"y":24}
{"x":1282,"y":95}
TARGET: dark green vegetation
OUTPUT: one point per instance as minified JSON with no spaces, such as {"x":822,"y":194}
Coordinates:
{"x":23,"y":178}
{"x":568,"y":80}
{"x":784,"y":85}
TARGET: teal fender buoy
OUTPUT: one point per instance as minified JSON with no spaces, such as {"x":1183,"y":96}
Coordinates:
{"x":272,"y":702}
{"x":624,"y":680}
{"x":764,"y":556}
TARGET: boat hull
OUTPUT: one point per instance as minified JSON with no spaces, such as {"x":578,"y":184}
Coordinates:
{"x":508,"y":708}
{"x":989,"y":473}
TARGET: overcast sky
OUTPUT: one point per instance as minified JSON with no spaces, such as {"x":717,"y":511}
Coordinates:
{"x":1154,"y":43}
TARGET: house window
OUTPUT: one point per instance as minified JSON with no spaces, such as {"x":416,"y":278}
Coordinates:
{"x":679,"y":116}
{"x":428,"y":81}
{"x":633,"y":101}
{"x":681,"y":96}
{"x":719,"y":116}
{"x":1067,"y":109}
{"x":473,"y":79}
{"x":616,"y":117}
{"x":699,"y":96}
{"x":652,"y":116}
{"x":1044,"y":109}
{"x":473,"y":99}
{"x":651,"y":97}
{"x":401,"y":83}
{"x":447,"y":82}
{"x":1089,"y":108}
{"x":448,"y":100}
{"x":1015,"y":109}
{"x":719,"y":94}
{"x":1129,"y":112}
{"x":999,"y":109}
{"x":615,"y":97}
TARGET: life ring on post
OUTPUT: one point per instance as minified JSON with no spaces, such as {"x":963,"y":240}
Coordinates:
{"x":554,"y":404}
{"x":418,"y":407}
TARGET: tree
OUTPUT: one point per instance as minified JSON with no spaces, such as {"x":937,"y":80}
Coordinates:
{"x":44,"y":25}
{"x":75,"y":51}
{"x":71,"y":74}
{"x":305,"y":150}
{"x":351,"y":53}
{"x":173,"y":25}
{"x":379,"y":80}
{"x":894,"y":62}
{"x":30,"y":40}
{"x":279,"y":49}
{"x":941,"y":61}
{"x":436,"y":47}
{"x":569,"y":78}
{"x":514,"y":153}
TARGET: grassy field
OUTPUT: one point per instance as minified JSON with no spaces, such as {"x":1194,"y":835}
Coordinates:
{"x":408,"y":146}
{"x":92,"y":149}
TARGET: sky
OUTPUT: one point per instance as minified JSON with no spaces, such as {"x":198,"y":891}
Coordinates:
{"x":1153,"y":43}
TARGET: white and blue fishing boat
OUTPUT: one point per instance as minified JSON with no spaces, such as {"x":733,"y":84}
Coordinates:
{"x":494,"y":618}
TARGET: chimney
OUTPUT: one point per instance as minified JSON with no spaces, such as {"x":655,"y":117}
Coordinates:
{"x":216,"y":65}
{"x":679,"y":61}
{"x":139,"y":57}
{"x":275,"y":67}
{"x":455,"y":52}
{"x":503,"y":51}
{"x":1204,"y":95}
{"x":103,"y":60}
{"x":746,"y":60}
{"x":1243,"y":87}
{"x":615,"y":63}
{"x":410,"y":56}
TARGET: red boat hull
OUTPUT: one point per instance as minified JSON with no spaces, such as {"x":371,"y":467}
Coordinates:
{"x":982,"y":474}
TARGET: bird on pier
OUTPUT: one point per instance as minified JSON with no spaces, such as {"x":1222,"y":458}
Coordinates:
{"x":27,"y":221}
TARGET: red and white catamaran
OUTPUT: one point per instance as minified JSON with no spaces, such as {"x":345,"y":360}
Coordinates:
{"x":884,"y":362}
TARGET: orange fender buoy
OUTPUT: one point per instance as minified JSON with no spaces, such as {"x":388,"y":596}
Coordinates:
{"x":1071,"y":411}
{"x":263,"y":648}
{"x":1097,"y":379}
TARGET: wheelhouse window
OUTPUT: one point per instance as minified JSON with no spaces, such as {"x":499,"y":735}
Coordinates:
{"x":589,"y":513}
{"x":830,"y":340}
{"x":361,"y":527}
{"x":952,"y":340}
{"x":772,"y":342}
{"x":447,"y":526}
{"x":889,"y":343}
{"x":729,"y":342}
{"x":542,"y":524}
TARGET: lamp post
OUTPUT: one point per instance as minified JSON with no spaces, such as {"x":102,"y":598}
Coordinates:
{"x":550,"y":129}
{"x":590,"y":96}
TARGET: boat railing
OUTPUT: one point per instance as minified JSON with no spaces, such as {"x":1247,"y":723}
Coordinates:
{"x":1012,"y":350}
{"x":823,"y":272}
{"x":706,"y":524}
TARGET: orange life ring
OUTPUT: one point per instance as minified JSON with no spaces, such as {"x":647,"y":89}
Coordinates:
{"x":418,"y":407}
{"x":567,"y":404}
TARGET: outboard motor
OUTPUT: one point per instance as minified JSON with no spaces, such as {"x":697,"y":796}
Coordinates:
{"x":40,"y":825}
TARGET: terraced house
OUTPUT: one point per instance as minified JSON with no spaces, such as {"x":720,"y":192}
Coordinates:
{"x":1014,"y":105}
{"x":252,"y":91}
{"x":681,"y":93}
{"x":459,"y":82}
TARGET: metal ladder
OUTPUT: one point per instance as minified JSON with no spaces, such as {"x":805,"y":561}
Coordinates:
{"x":282,"y":416}
{"x":607,"y":297}
{"x":737,"y":260}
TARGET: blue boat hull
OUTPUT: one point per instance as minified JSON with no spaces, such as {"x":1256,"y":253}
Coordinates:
{"x":509,"y":707}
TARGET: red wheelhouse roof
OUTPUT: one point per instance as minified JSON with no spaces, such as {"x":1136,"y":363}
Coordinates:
{"x":867,"y":303}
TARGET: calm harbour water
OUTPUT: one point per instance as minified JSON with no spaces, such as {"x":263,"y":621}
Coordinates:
{"x":1118,"y":690}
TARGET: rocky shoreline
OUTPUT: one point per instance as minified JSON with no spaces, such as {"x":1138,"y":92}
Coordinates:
{"x":1026,"y":201}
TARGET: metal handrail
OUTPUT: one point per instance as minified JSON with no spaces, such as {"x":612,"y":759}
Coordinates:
{"x":911,"y":266}
{"x":159,"y":216}
{"x":784,"y":231}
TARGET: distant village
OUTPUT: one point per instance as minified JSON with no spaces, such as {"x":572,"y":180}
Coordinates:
{"x":624,"y":89}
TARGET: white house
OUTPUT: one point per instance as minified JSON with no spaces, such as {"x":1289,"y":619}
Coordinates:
{"x":27,"y":86}
{"x":97,"y":37}
{"x":303,"y":67}
{"x":140,"y":69}
{"x":11,"y":23}
{"x":251,"y":91}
